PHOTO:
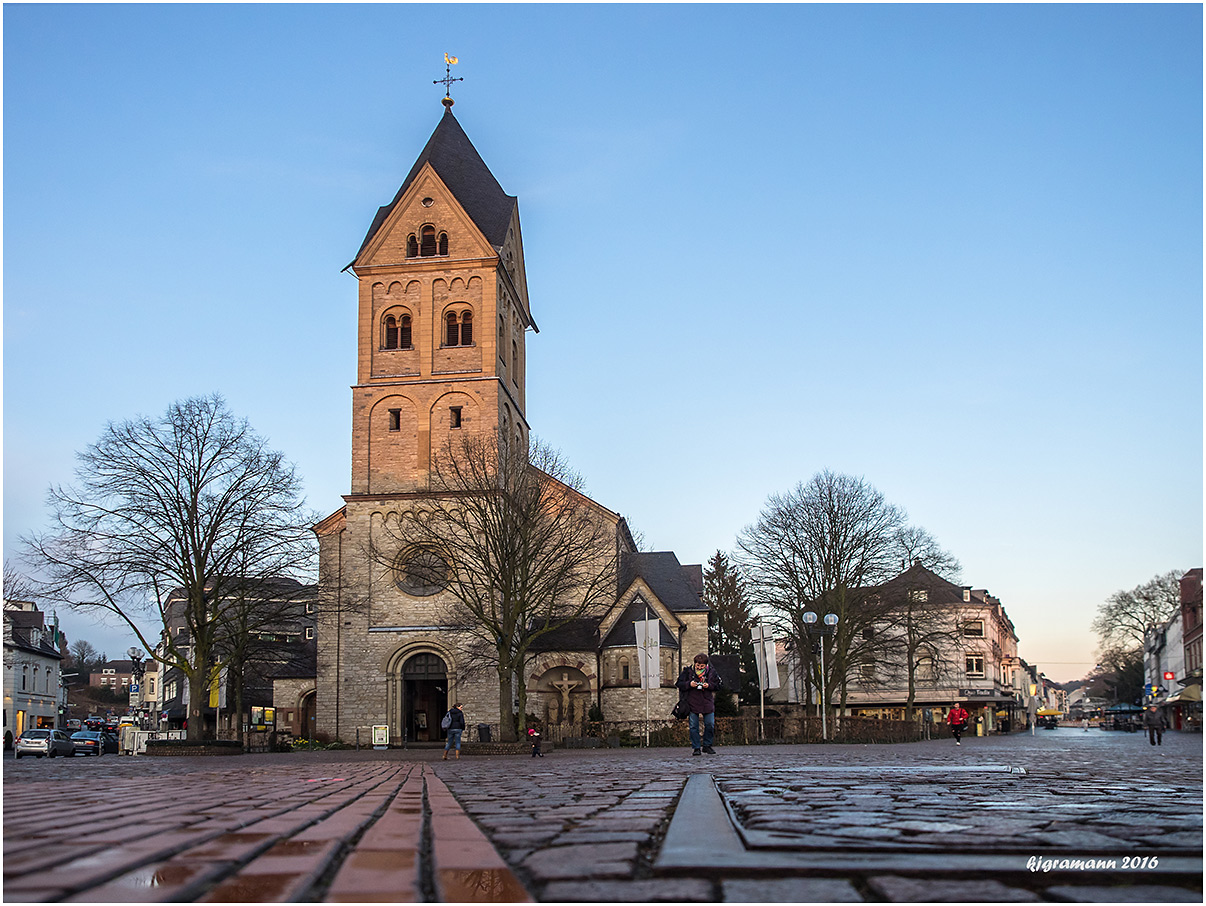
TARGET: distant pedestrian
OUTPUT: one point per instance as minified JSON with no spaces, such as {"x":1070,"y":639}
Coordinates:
{"x":534,"y":737}
{"x":1154,"y":721}
{"x":957,"y":718}
{"x":456,"y":726}
{"x":700,"y":682}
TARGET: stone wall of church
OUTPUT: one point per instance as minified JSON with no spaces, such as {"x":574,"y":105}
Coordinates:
{"x":628,"y":703}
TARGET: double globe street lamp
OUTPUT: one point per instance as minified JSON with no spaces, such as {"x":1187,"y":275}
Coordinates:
{"x":825,"y":630}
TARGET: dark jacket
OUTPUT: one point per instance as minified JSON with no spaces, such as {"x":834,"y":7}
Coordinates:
{"x":701,"y":701}
{"x":1155,"y":720}
{"x":458,"y":719}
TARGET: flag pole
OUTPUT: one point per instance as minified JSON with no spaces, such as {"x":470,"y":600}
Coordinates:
{"x":649,"y":679}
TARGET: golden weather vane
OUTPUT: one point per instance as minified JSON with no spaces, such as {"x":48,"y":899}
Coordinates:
{"x":447,"y":81}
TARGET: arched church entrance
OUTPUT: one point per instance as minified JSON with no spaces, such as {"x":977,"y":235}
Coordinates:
{"x":424,"y":696}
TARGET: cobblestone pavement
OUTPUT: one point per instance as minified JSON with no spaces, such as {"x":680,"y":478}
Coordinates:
{"x":1063,"y":815}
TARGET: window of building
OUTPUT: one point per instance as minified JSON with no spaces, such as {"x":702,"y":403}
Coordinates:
{"x":455,"y":416}
{"x":458,"y":328}
{"x":974,"y":629}
{"x":974,"y":664}
{"x":868,"y":632}
{"x":412,"y":246}
{"x":919,"y":595}
{"x":925,"y":670}
{"x":514,"y":360}
{"x":395,"y":419}
{"x":396,"y":332}
{"x":443,"y":244}
{"x":309,"y":632}
{"x":391,"y":332}
{"x":866,"y":672}
{"x":421,"y":572}
{"x":404,"y":332}
{"x":309,"y":607}
{"x":427,"y":242}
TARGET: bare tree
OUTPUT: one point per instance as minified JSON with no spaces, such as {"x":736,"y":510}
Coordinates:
{"x":921,"y":623}
{"x":17,"y":586}
{"x":522,"y":551}
{"x":194,"y":502}
{"x":1126,"y":617}
{"x":821,"y":548}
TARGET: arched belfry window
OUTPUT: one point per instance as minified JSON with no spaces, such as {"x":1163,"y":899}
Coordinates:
{"x":458,"y":328}
{"x":443,"y":244}
{"x":427,"y":242}
{"x":396,"y":332}
{"x":412,"y":246}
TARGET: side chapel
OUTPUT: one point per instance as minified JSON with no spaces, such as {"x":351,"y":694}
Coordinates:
{"x":442,"y":329}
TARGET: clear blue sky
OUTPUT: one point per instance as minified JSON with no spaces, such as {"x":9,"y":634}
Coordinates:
{"x":954,"y":249}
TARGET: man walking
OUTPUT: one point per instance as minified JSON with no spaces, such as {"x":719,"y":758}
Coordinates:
{"x":957,"y":719}
{"x":1156,"y":724}
{"x":454,"y":723}
{"x":700,"y":681}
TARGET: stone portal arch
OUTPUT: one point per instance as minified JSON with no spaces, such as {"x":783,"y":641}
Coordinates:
{"x":420,"y":693}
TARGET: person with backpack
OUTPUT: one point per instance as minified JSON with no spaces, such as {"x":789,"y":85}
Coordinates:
{"x":454,"y":724}
{"x":957,"y":719}
{"x":700,"y":682}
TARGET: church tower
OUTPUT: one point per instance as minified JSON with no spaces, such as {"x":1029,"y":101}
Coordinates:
{"x":443,"y":311}
{"x":441,"y":320}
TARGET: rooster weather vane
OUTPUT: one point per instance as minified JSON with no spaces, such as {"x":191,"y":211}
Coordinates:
{"x":447,"y":81}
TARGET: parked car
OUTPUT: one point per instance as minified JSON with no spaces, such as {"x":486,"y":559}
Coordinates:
{"x":93,"y":742}
{"x":44,"y":742}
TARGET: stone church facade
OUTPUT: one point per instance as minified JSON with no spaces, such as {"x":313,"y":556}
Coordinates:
{"x":442,"y":325}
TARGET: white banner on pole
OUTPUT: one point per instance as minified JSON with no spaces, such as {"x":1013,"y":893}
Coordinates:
{"x":648,"y":639}
{"x":764,"y":654}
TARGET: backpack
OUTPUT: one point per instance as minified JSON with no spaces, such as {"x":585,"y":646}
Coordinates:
{"x":447,"y":721}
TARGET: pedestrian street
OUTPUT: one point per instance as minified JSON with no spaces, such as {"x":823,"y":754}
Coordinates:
{"x":1089,"y":816}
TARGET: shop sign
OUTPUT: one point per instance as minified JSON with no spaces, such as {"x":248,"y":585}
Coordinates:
{"x":977,"y":693}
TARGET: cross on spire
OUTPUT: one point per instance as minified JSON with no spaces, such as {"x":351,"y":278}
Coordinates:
{"x":447,"y":81}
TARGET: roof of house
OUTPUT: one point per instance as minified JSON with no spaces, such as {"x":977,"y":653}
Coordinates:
{"x":22,"y":638}
{"x":678,"y":587}
{"x":462,"y":169}
{"x":916,"y":577}
{"x":576,"y":635}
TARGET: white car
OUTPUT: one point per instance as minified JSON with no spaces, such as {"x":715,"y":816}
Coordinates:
{"x":44,"y":742}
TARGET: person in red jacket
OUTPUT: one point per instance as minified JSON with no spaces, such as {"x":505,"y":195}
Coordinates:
{"x":957,"y":719}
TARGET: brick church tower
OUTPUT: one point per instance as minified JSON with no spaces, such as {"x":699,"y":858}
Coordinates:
{"x":443,"y":312}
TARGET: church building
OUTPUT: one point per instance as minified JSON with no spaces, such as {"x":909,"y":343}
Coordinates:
{"x":443,"y":322}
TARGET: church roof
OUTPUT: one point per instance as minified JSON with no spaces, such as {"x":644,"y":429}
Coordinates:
{"x":462,"y":169}
{"x":576,"y":635}
{"x":623,"y":633}
{"x":676,"y":586}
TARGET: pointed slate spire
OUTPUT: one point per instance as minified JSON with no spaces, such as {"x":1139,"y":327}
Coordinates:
{"x":462,"y":169}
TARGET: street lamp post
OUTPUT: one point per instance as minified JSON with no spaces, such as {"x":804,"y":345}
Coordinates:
{"x":827,"y":629}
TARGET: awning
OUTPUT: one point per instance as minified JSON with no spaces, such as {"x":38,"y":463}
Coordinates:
{"x":1188,"y":694}
{"x":1048,"y":712}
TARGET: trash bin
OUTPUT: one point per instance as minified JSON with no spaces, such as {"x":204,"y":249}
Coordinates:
{"x":483,"y":732}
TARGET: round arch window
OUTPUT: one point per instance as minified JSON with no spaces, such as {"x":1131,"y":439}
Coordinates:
{"x":421,"y":572}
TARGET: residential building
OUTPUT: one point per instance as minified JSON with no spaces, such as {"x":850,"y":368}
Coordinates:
{"x":33,"y":655}
{"x":964,"y":649}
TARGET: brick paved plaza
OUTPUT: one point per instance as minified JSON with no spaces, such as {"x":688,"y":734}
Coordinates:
{"x":1063,"y":815}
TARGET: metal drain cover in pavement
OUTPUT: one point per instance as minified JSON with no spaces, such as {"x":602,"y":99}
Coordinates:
{"x":706,"y":835}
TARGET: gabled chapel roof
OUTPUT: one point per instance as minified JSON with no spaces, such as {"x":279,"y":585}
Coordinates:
{"x":676,"y":586}
{"x":462,"y":169}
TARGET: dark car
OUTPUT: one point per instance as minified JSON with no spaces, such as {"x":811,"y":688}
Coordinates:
{"x":93,"y":742}
{"x":44,"y":742}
